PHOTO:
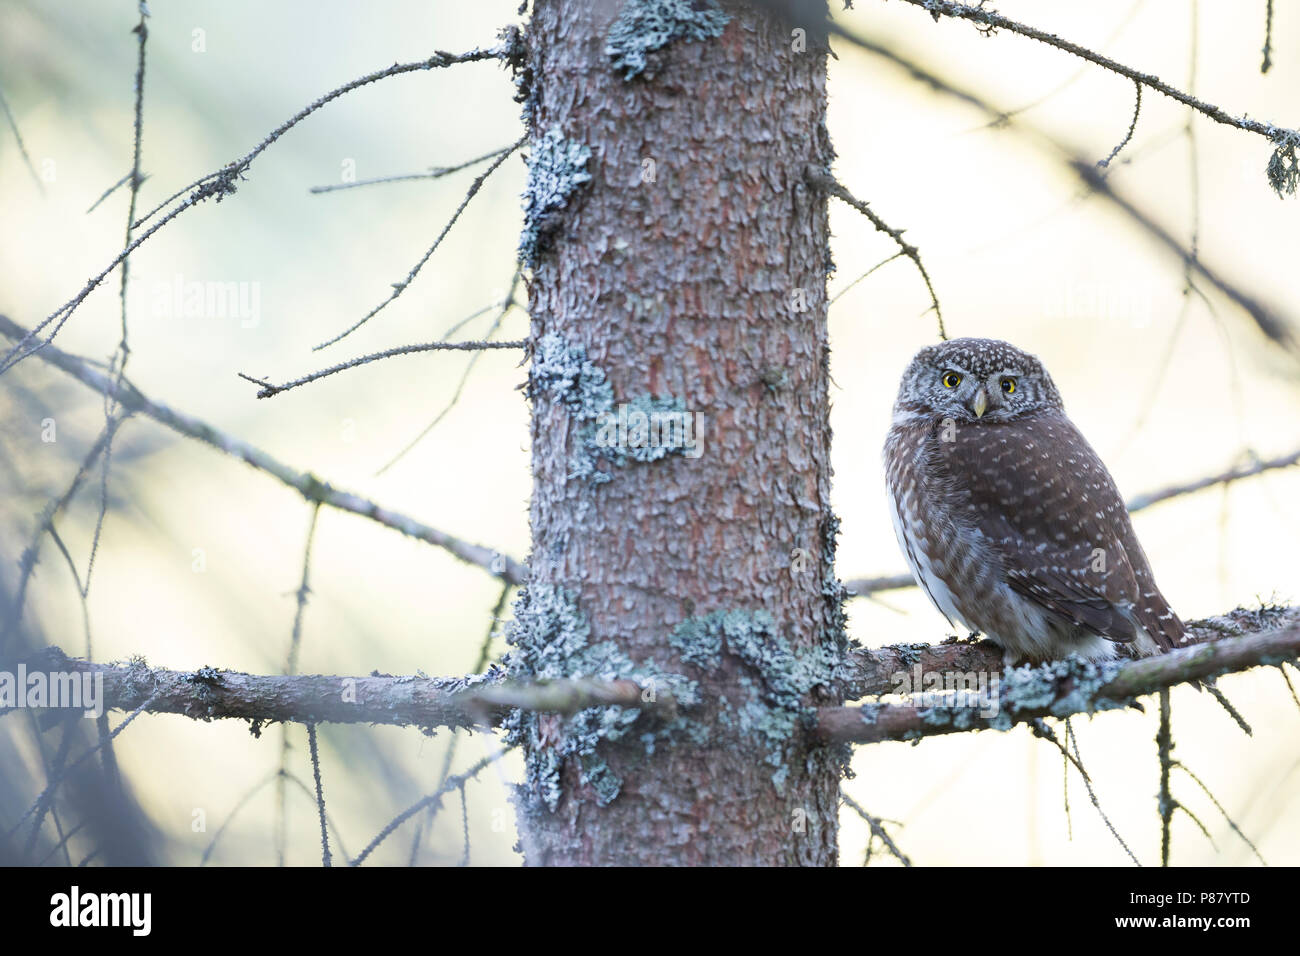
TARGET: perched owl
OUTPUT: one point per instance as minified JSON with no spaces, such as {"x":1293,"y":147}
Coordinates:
{"x":1009,"y":520}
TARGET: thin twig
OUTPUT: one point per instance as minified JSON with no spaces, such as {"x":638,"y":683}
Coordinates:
{"x":1226,"y":704}
{"x":320,"y":796}
{"x":434,"y":799}
{"x":18,"y":137}
{"x":878,"y":830}
{"x":883,"y":262}
{"x":50,"y":787}
{"x":309,"y":486}
{"x":400,"y":287}
{"x":110,"y":190}
{"x":1258,"y":466}
{"x":991,"y":19}
{"x":1231,"y":822}
{"x":1166,"y":804}
{"x":1077,"y":759}
{"x":224,"y":182}
{"x":291,"y":667}
{"x":436,"y":172}
{"x":45,"y":524}
{"x":1267,"y":64}
{"x":828,"y":183}
{"x":1132,"y":128}
{"x":506,"y":305}
{"x":268,"y":390}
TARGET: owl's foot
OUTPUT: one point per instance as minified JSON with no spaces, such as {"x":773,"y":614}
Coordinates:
{"x":954,"y":639}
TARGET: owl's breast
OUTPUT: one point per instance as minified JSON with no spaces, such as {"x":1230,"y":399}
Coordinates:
{"x":949,"y":559}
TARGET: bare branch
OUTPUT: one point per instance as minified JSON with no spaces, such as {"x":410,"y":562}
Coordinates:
{"x":1267,"y":63}
{"x":18,"y":138}
{"x":1269,"y":321}
{"x":269,"y":390}
{"x":995,"y":21}
{"x":306,"y":484}
{"x":505,"y":306}
{"x":878,"y":831}
{"x":435,"y":172}
{"x":224,"y":182}
{"x":1165,"y":803}
{"x":1258,"y":466}
{"x":1132,"y":128}
{"x":864,"y":275}
{"x":400,"y":287}
{"x":433,"y":801}
{"x":828,"y":183}
{"x":112,"y":189}
{"x":320,"y":796}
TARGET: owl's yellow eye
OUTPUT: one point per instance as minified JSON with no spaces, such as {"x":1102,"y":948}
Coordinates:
{"x":951,"y":379}
{"x":1009,"y":385}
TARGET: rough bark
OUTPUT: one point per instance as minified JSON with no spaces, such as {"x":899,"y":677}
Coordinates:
{"x":690,"y":287}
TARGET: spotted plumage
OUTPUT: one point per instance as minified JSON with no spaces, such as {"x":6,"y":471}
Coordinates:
{"x":1010,"y":522}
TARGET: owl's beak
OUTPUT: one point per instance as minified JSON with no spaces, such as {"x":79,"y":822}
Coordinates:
{"x":980,"y":403}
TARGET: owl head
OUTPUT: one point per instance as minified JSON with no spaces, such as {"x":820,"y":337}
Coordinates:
{"x":976,"y":380}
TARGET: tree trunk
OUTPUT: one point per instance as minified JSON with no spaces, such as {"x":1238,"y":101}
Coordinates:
{"x":687,"y":274}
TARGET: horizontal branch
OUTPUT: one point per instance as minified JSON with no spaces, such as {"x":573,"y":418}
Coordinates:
{"x":861,"y":587}
{"x":427,"y":702}
{"x":872,"y":670}
{"x":435,"y":172}
{"x":1062,"y":688}
{"x":1236,"y":641}
{"x":308,"y":485}
{"x":268,"y":389}
{"x":1222,"y":478}
{"x":992,"y":20}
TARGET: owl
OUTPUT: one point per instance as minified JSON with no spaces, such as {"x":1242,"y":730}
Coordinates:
{"x":1010,"y":522}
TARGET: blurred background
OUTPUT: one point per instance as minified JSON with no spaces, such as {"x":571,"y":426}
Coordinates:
{"x":200,"y":556}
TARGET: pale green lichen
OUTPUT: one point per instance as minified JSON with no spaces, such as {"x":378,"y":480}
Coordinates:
{"x":833,"y":589}
{"x":771,"y":706}
{"x":556,"y":167}
{"x":1283,"y":170}
{"x":564,"y":373}
{"x":552,"y":640}
{"x":644,"y":26}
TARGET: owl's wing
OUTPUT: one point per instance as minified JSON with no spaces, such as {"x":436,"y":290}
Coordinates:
{"x":1044,"y":502}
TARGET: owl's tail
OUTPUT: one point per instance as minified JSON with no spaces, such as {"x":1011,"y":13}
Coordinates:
{"x":1159,"y":629}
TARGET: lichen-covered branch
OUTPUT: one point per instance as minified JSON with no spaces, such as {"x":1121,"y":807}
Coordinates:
{"x":871,"y":670}
{"x":1247,"y":639}
{"x":308,"y":485}
{"x":1232,"y":642}
{"x":476,"y":701}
